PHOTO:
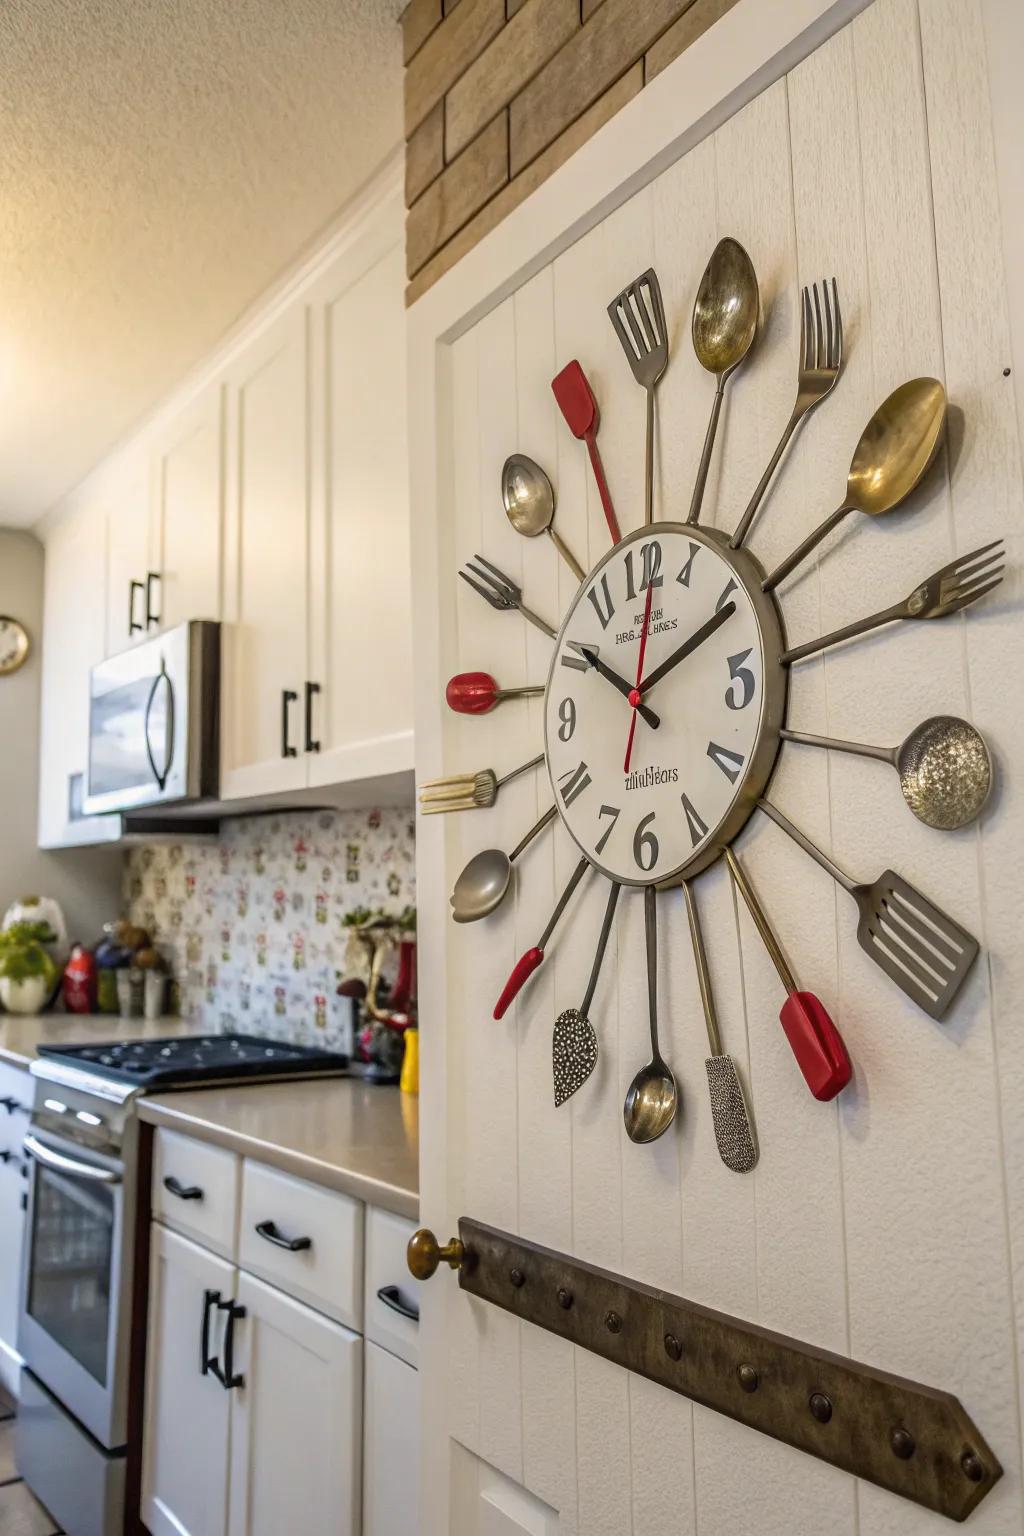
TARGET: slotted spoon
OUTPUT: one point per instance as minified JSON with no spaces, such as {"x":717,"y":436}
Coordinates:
{"x":917,"y":945}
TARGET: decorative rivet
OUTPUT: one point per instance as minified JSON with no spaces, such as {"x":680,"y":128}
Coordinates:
{"x":903,"y":1444}
{"x":673,"y":1348}
{"x":820,"y":1406}
{"x":1006,"y":373}
{"x":564,"y":1298}
{"x":748,"y":1378}
{"x":972,"y":1467}
{"x":516,"y":1277}
{"x":613,"y":1322}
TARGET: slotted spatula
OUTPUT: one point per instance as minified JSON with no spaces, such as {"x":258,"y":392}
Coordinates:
{"x":917,"y":945}
{"x":576,"y":401}
{"x":638,"y":316}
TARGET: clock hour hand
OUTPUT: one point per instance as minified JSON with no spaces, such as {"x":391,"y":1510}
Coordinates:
{"x":590,"y":655}
{"x":689,"y":646}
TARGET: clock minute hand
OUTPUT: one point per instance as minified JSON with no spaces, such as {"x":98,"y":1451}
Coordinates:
{"x":689,"y":646}
{"x":590,"y":655}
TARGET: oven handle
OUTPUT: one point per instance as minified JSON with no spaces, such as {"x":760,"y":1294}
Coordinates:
{"x":161,"y":677}
{"x":50,"y":1159}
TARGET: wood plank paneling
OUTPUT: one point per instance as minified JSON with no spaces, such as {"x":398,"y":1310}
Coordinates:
{"x":419,"y":19}
{"x":424,"y":154}
{"x":536,"y":32}
{"x":451,"y":200}
{"x":447,"y":52}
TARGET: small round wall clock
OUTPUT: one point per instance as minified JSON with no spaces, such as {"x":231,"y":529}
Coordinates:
{"x":14,"y":645}
{"x":665,"y":706}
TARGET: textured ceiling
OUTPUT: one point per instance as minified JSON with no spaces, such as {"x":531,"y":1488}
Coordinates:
{"x":161,"y":162}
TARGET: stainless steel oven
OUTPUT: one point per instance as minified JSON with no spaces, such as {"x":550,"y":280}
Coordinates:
{"x":153,"y":722}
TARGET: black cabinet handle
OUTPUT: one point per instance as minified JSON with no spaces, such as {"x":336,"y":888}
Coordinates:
{"x":287,"y":697}
{"x":12,"y":1104}
{"x":133,"y":624}
{"x":391,"y":1296}
{"x":268,"y":1230}
{"x":207,"y":1363}
{"x":6,"y":1155}
{"x":183,"y":1191}
{"x":151,"y":617}
{"x":228,"y":1377}
{"x":312,"y":689}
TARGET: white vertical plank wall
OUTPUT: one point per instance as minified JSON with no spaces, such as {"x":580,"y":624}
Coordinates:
{"x":890,"y":1225}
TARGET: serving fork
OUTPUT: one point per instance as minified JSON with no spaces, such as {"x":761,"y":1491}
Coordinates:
{"x":946,"y":591}
{"x":501,"y":592}
{"x":821,"y":361}
{"x":468,"y":791}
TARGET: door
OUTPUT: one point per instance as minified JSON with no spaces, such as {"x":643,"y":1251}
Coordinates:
{"x":266,"y":550}
{"x":296,"y":1428}
{"x":391,"y":1440}
{"x":360,"y":566}
{"x":187,"y":467}
{"x":188,"y":1410}
{"x":127,"y":501}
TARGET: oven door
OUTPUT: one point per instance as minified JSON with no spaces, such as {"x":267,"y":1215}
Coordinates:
{"x":75,"y":1314}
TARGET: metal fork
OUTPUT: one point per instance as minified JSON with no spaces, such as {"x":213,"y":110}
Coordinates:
{"x":821,"y":360}
{"x":962,"y":581}
{"x":638,"y":316}
{"x":501,"y":592}
{"x":468,"y":791}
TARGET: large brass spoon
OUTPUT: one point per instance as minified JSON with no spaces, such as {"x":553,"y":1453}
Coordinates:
{"x":725,"y":316}
{"x":652,"y":1097}
{"x":895,"y":451}
{"x":944,"y":767}
{"x":529,"y":499}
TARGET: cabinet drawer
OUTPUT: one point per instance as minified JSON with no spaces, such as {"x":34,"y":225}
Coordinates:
{"x":306,"y":1239}
{"x":195,"y":1190}
{"x":390,"y":1289}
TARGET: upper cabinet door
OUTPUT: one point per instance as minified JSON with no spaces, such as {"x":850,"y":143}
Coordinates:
{"x":359,"y":577}
{"x":188,"y":495}
{"x":128,"y":504}
{"x":265,"y":560}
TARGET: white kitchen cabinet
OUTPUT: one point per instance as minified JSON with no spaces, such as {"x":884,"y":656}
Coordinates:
{"x":186,"y":1447}
{"x":187,"y":461}
{"x":15,"y":1103}
{"x":391,"y":1434}
{"x":74,"y":639}
{"x":264,"y":649}
{"x":126,"y":502}
{"x":295,"y":1432}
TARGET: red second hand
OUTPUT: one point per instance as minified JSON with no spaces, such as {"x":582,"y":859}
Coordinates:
{"x":636,"y":697}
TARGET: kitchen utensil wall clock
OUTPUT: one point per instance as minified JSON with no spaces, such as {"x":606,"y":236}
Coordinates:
{"x":665,"y":704}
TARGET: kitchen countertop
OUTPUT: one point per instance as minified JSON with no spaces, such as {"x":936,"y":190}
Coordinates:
{"x":21,"y":1035}
{"x":339,"y":1132}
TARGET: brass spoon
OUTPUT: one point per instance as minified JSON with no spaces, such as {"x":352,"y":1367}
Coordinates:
{"x":652,"y":1097}
{"x":529,"y":499}
{"x":725,"y":316}
{"x":944,"y":767}
{"x":895,"y":451}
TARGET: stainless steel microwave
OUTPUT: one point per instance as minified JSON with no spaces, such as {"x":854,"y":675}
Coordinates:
{"x":154,"y":736}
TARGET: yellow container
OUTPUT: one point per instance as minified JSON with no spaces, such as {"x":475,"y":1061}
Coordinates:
{"x":410,"y":1082}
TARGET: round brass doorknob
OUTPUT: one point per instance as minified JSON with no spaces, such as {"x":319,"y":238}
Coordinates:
{"x":425,"y":1253}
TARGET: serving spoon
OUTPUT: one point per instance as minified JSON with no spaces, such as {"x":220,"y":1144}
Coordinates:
{"x":483,"y":884}
{"x":529,"y":499}
{"x":652,"y":1097}
{"x":725,"y":315}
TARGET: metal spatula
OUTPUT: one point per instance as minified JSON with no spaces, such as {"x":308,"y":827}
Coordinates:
{"x":573,"y":1042}
{"x":916,"y":944}
{"x":638,"y":316}
{"x":730,"y":1112}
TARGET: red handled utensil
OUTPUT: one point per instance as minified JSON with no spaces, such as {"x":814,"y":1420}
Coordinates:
{"x":475,"y":693}
{"x":579,"y":407}
{"x":813,"y":1038}
{"x":531,"y":959}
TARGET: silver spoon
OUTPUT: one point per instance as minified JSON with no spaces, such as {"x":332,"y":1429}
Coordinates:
{"x":529,"y":499}
{"x":484,"y":882}
{"x":652,"y":1097}
{"x":944,"y":767}
{"x":725,"y":315}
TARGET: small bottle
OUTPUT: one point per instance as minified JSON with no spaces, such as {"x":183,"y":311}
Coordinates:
{"x":410,"y":1082}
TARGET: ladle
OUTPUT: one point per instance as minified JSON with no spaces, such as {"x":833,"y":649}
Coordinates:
{"x":652,"y":1097}
{"x":529,"y":499}
{"x":725,"y":316}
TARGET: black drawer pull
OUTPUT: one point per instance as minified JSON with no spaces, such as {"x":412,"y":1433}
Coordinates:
{"x":206,"y":1361}
{"x":391,"y":1296}
{"x":312,"y":744}
{"x":287,"y":698}
{"x":12,"y":1104}
{"x":183,"y":1191}
{"x":268,"y":1229}
{"x":134,"y":626}
{"x":6,"y":1155}
{"x":226,"y":1374}
{"x":151,"y":617}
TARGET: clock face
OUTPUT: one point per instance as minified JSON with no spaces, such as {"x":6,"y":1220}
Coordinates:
{"x":695,"y":775}
{"x":14,"y":645}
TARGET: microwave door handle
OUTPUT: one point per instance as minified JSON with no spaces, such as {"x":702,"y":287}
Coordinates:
{"x":161,"y":677}
{"x":56,"y":1160}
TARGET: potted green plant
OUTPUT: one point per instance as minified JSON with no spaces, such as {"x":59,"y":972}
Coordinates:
{"x":27,"y":974}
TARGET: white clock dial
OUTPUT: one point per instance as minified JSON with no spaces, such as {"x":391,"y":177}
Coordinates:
{"x":693,"y":778}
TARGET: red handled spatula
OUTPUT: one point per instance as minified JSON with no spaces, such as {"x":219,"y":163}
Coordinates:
{"x":476,"y":693}
{"x":579,"y":407}
{"x":528,"y":962}
{"x":813,"y":1038}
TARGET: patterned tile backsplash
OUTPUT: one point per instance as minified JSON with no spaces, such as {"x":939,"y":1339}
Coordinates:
{"x":253,"y":925}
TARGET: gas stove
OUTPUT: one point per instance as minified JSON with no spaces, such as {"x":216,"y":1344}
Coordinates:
{"x":188,"y":1061}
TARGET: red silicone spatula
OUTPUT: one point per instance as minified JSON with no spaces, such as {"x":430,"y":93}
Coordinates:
{"x":813,"y":1038}
{"x":579,"y":407}
{"x":528,"y":962}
